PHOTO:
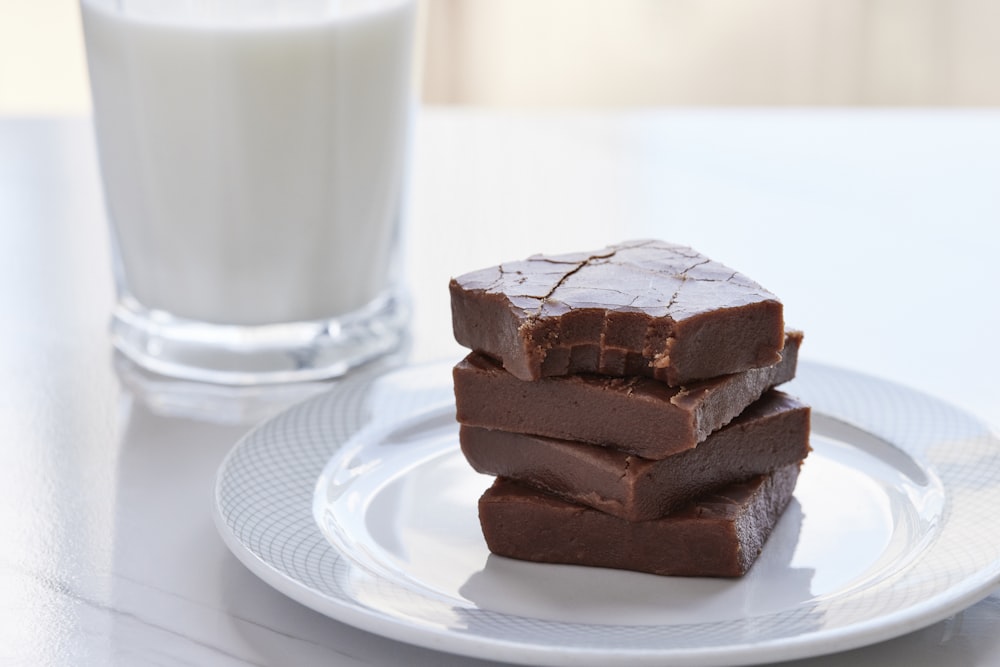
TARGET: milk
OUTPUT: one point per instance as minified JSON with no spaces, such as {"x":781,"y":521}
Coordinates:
{"x":253,"y":164}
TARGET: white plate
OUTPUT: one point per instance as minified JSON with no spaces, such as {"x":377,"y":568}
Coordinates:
{"x":358,"y":503}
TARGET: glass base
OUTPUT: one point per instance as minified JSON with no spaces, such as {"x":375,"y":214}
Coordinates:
{"x":243,"y":405}
{"x":264,"y":354}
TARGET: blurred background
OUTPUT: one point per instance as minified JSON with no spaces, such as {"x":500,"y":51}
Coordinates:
{"x":613,"y":53}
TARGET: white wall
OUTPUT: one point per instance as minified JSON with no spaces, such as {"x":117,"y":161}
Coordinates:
{"x":621,"y":52}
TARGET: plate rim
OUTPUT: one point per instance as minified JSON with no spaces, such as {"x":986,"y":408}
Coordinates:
{"x":973,"y":587}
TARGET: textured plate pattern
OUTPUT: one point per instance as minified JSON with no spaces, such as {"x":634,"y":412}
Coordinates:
{"x":265,"y":490}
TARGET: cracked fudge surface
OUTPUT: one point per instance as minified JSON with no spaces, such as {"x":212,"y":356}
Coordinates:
{"x":770,"y":434}
{"x":719,"y":535}
{"x":646,"y":308}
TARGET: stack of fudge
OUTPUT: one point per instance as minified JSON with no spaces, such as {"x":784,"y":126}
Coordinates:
{"x":624,"y":399}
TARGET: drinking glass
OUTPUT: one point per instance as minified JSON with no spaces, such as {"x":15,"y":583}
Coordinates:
{"x":254,"y":156}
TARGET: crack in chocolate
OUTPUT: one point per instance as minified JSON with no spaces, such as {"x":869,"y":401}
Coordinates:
{"x":682,"y":277}
{"x":543,"y":300}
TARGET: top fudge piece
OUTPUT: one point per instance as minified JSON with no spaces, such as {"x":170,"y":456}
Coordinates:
{"x":645,"y":308}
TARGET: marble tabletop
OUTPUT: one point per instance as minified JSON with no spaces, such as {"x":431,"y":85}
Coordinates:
{"x":877,"y":228}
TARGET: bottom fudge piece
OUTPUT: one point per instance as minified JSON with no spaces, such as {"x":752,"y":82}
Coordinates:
{"x":719,"y":535}
{"x":771,"y":433}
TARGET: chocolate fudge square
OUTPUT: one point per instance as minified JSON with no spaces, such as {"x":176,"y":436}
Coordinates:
{"x":646,"y":308}
{"x":639,"y":415}
{"x":773,"y":432}
{"x":719,"y":535}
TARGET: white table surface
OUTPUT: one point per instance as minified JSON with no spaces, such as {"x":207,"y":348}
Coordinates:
{"x":878,"y":229}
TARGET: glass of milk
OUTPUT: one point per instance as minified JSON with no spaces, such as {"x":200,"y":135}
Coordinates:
{"x":254,"y":155}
